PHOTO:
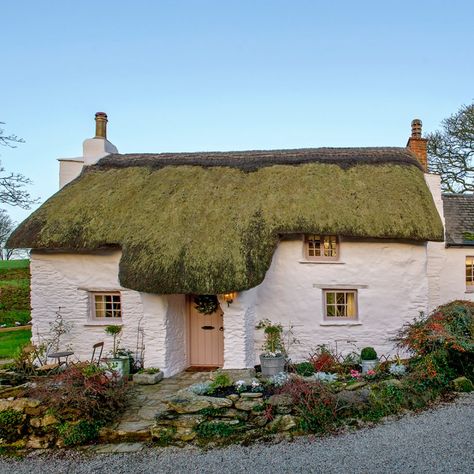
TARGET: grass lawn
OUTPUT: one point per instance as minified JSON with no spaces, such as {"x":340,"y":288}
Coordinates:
{"x":11,"y":341}
{"x":15,"y":292}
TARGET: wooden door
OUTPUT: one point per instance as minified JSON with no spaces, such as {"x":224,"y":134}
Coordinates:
{"x":206,"y":338}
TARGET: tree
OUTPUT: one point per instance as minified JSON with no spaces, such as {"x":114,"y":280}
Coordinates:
{"x":12,"y":185}
{"x":6,"y":228}
{"x":451,"y":151}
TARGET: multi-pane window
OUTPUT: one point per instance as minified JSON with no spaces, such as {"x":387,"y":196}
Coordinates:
{"x":321,"y":247}
{"x":470,"y":272}
{"x":340,"y":304}
{"x":107,"y":306}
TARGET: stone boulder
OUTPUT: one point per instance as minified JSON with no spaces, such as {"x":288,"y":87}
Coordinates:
{"x":187,"y":402}
{"x":463,"y":384}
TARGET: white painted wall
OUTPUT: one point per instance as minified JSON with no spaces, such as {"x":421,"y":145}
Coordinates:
{"x":64,"y":280}
{"x":69,"y":169}
{"x":453,"y":275}
{"x":392,"y":289}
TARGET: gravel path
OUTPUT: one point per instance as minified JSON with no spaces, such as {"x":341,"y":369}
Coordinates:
{"x":436,"y":441}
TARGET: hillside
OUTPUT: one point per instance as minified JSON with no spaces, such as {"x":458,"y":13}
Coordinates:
{"x":14,"y":292}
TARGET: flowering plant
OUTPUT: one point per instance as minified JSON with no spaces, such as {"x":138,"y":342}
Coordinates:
{"x":355,"y":374}
{"x":240,"y":385}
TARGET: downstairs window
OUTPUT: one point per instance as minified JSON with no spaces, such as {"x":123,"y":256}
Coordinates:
{"x":340,"y":305}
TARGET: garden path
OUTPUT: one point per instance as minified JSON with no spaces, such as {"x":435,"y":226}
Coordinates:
{"x":146,"y":401}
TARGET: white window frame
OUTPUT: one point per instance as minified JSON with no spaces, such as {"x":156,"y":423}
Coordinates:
{"x":320,"y":258}
{"x":469,"y":267}
{"x":349,"y":319}
{"x":93,"y":309}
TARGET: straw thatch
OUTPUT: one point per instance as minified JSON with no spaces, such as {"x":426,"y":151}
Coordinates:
{"x":212,"y":226}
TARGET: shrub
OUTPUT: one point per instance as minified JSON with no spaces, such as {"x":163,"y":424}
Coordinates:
{"x":10,"y":424}
{"x":314,"y":403}
{"x":82,"y":391}
{"x":448,"y":333}
{"x":77,"y":433}
{"x":368,"y":353}
{"x":384,"y":399}
{"x":323,"y":360}
{"x":305,"y":369}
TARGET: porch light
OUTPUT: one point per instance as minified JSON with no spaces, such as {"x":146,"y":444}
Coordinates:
{"x":229,"y":297}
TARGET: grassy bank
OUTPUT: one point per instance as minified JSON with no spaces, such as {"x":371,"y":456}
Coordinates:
{"x":14,"y":292}
{"x":11,"y":341}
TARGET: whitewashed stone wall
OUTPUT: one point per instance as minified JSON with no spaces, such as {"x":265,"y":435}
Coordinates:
{"x":239,"y":327}
{"x":453,"y":275}
{"x":390,"y":278}
{"x":176,"y":334}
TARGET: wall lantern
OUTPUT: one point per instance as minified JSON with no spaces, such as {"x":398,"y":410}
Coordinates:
{"x":229,"y":297}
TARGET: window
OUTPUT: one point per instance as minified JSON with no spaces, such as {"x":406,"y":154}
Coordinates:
{"x":340,"y":304}
{"x":470,"y":273}
{"x":321,"y":247}
{"x":106,"y":306}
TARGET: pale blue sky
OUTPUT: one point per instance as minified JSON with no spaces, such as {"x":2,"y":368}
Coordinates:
{"x":226,"y":75}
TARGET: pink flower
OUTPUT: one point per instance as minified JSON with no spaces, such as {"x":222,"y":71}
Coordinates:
{"x":355,"y":374}
{"x":370,"y":372}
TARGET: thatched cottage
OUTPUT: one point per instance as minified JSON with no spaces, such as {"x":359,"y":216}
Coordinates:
{"x":344,"y":244}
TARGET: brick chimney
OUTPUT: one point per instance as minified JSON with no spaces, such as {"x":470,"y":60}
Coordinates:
{"x":417,"y":145}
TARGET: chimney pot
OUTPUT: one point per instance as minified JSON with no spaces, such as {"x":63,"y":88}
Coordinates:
{"x":418,"y":145}
{"x":416,"y":125}
{"x":101,"y":125}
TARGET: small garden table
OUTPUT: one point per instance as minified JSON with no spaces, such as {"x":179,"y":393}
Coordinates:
{"x":60,"y":355}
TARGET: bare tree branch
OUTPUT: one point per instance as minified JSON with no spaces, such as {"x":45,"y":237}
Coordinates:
{"x":451,"y":151}
{"x":12,"y":185}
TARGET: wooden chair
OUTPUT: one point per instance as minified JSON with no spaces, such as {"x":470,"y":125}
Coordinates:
{"x":97,"y":349}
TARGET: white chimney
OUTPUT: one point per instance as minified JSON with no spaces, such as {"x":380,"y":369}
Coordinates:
{"x":96,"y":148}
{"x":93,"y":150}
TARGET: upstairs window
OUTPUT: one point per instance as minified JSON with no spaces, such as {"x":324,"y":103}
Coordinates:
{"x":470,"y":273}
{"x":340,"y":304}
{"x":321,"y":247}
{"x":106,"y":306}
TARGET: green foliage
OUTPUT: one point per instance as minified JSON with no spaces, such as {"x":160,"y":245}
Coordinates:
{"x":305,"y":369}
{"x":208,"y":429}
{"x":165,"y":437}
{"x":368,"y":353}
{"x":10,"y":424}
{"x":220,"y":381}
{"x":8,"y":265}
{"x":211,"y":230}
{"x":212,"y":412}
{"x":114,"y":331}
{"x":15,"y":292}
{"x":385,"y":399}
{"x":149,"y":370}
{"x":78,"y":433}
{"x":273,"y":344}
{"x":206,"y":304}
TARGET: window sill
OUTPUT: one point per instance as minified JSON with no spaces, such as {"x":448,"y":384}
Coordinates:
{"x":103,"y":323}
{"x":321,"y":262}
{"x":469,"y":290}
{"x":340,"y":323}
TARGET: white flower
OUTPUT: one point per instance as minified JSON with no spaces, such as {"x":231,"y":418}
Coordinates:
{"x":240,"y":383}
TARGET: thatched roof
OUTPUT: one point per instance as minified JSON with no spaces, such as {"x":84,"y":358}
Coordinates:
{"x":459,"y":217}
{"x":209,"y":222}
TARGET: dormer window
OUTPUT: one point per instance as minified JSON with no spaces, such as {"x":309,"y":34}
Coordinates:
{"x":321,"y":247}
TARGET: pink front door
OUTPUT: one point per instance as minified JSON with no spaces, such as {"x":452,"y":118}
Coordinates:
{"x":206,"y":338}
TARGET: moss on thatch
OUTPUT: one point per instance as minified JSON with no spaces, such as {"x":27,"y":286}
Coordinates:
{"x":208,"y":230}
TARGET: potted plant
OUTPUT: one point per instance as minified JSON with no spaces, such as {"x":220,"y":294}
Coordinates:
{"x":121,"y":364}
{"x":368,"y":359}
{"x":149,"y":376}
{"x":272,"y":360}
